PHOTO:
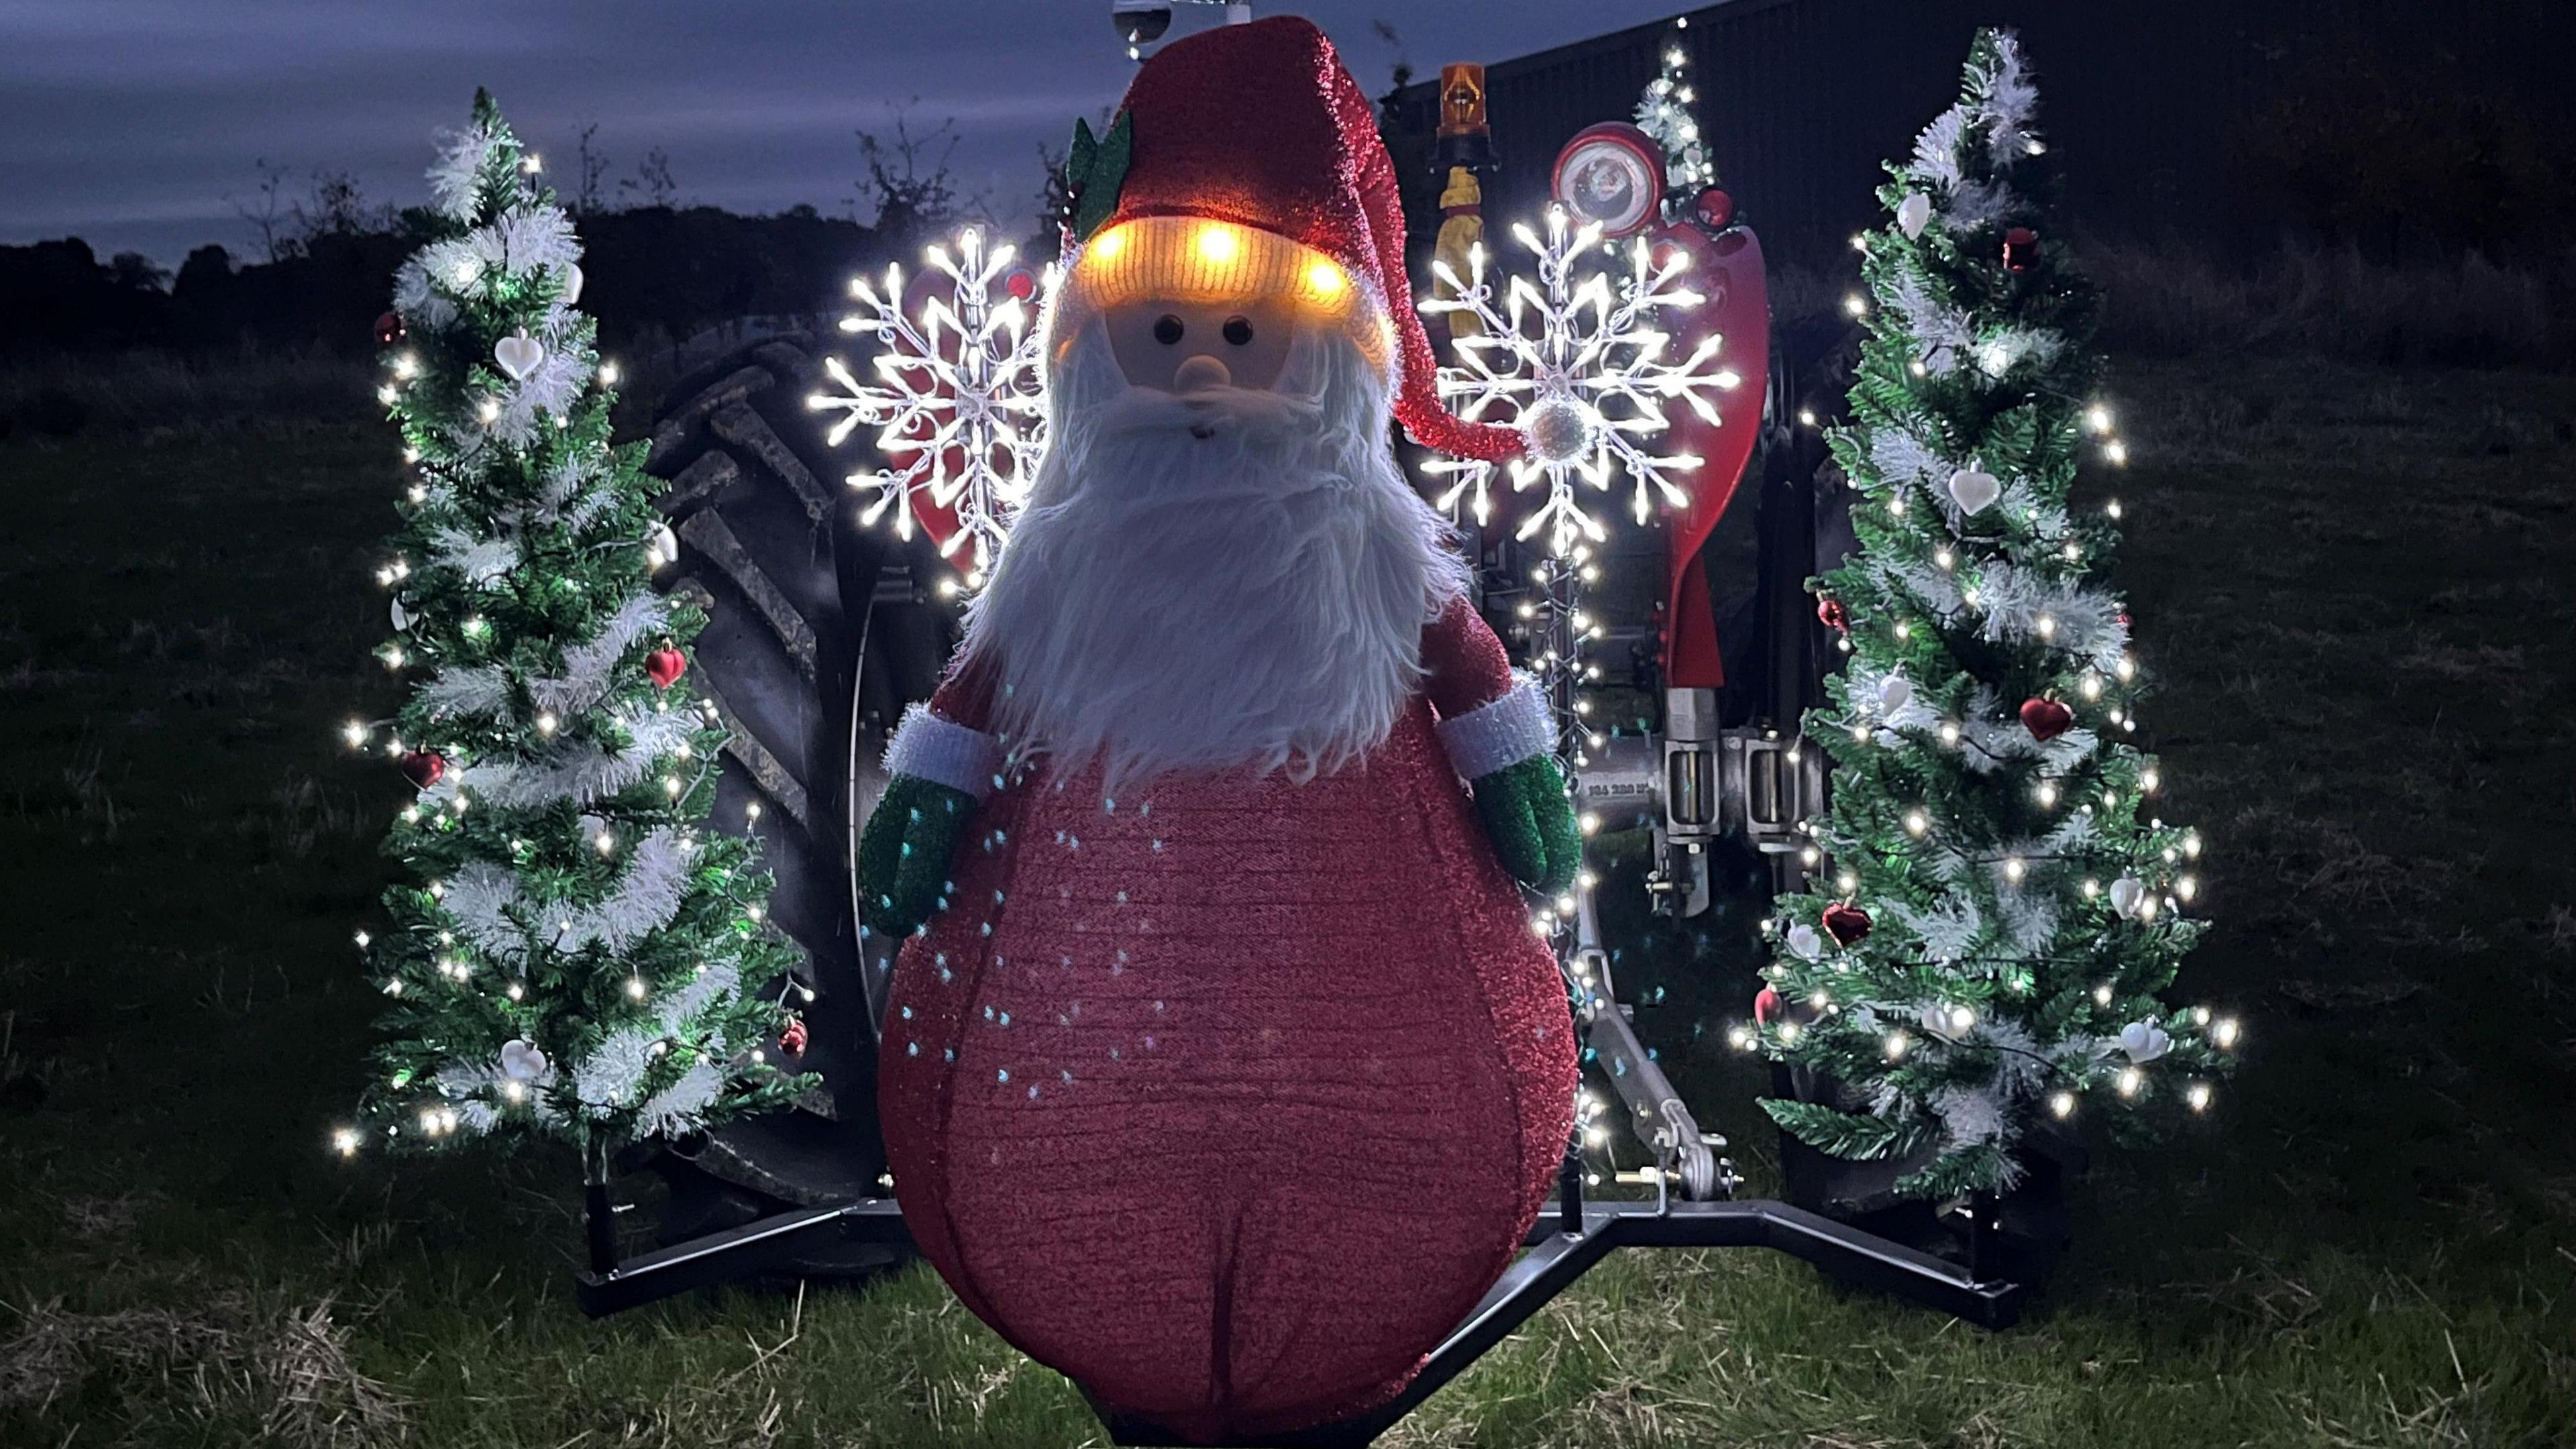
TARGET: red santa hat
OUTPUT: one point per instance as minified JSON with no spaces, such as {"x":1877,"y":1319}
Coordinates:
{"x":1259,"y":127}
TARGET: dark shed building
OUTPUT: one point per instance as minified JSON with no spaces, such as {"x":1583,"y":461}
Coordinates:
{"x":2395,"y":125}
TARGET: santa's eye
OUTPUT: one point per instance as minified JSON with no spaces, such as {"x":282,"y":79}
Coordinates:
{"x":1168,"y":329}
{"x":1238,"y":330}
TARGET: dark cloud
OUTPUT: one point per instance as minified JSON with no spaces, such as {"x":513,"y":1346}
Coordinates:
{"x":129,"y":122}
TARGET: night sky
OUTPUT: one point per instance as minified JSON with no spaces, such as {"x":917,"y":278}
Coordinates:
{"x":130,"y":122}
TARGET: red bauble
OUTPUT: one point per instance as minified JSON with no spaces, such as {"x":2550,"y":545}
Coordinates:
{"x":2021,"y":249}
{"x":424,"y":768}
{"x":2046,"y":719}
{"x":792,"y":1040}
{"x":1846,"y":923}
{"x":1022,"y":284}
{"x":666,"y":665}
{"x":1832,"y":612}
{"x":1715,"y":209}
{"x":391,"y":329}
{"x":1766,"y":1005}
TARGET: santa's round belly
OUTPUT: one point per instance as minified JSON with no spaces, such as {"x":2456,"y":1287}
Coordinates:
{"x":1228,"y":1098}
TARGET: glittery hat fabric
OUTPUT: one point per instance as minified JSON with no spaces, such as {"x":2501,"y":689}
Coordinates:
{"x":1261,"y":126}
{"x":1230,"y":1096}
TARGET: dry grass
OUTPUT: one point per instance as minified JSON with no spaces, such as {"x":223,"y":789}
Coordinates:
{"x":290,"y":1369}
{"x":316,"y":1396}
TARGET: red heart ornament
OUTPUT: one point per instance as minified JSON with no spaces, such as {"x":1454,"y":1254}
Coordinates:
{"x":1846,"y":923}
{"x":792,"y":1040}
{"x":1832,"y":613}
{"x":1766,"y":1005}
{"x":2046,"y":719}
{"x":424,"y":768}
{"x":666,"y":665}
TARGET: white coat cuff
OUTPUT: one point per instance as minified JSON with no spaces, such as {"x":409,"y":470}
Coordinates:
{"x":1503,"y":733}
{"x":944,"y":752}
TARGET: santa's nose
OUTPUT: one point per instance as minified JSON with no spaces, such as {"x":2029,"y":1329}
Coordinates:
{"x":1198,"y":374}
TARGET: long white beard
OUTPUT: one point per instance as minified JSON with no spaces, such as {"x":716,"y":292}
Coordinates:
{"x":1254,"y":598}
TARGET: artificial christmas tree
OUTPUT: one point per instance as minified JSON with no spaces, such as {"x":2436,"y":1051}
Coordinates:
{"x":582,"y":956}
{"x":1998,"y":901}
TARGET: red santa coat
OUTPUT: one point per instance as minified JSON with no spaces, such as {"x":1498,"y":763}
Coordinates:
{"x":1229,"y":1099}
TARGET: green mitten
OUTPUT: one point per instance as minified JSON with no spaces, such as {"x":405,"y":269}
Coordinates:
{"x":1531,"y":822}
{"x":905,"y":850}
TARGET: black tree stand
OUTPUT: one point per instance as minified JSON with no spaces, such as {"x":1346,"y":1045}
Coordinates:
{"x":1570,"y":1236}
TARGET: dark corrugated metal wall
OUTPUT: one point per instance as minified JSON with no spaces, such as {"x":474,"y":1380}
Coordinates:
{"x":2143,"y":100}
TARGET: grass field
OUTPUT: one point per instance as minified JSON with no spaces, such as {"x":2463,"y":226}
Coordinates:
{"x":2357,"y":587}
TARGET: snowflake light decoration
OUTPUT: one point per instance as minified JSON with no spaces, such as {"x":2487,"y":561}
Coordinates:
{"x":959,"y":405}
{"x":1580,"y":367}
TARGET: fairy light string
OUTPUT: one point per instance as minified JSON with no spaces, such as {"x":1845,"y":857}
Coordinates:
{"x":577,"y":955}
{"x":1997,"y":904}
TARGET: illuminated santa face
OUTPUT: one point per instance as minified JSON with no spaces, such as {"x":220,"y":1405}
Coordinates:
{"x":1177,"y":345}
{"x":1220,"y":564}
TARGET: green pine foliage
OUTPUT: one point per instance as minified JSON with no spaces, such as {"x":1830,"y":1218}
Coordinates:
{"x":579,"y":954}
{"x":1998,"y":902}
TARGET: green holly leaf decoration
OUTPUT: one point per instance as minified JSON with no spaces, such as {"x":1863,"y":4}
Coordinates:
{"x":1095,"y":170}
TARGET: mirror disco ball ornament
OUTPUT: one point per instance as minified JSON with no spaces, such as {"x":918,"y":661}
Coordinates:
{"x":1611,"y":175}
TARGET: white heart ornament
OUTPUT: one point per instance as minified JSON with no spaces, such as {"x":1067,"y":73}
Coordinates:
{"x":1913,"y":214}
{"x":571,"y":283}
{"x":2144,"y":1041}
{"x":521,"y":1061}
{"x":1894,"y":694}
{"x":2126,"y":892}
{"x":401,"y":615}
{"x":1805,"y":943}
{"x":1973,"y":488}
{"x":518,"y":355}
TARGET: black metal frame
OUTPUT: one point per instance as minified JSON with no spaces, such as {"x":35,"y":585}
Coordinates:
{"x":1570,"y":1236}
{"x":734,"y":1255}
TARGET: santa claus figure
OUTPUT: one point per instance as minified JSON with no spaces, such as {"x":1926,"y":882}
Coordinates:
{"x":1223,"y":1071}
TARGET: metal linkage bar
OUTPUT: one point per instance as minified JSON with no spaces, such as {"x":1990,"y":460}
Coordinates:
{"x":1559,"y":1253}
{"x":1557,"y":1258}
{"x":767,"y":1245}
